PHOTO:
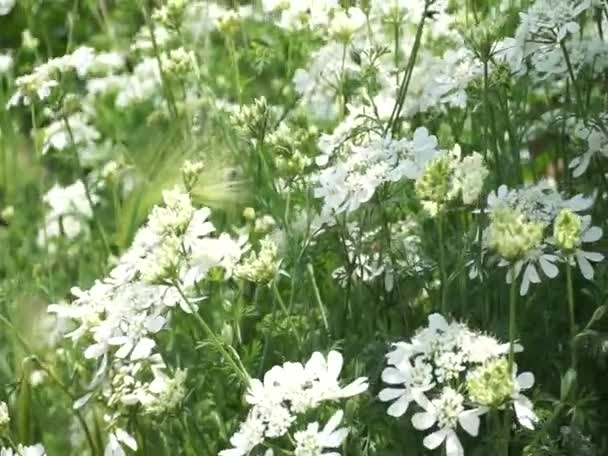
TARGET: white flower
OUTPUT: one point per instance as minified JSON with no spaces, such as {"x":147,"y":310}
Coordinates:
{"x":345,"y":23}
{"x":311,"y":442}
{"x":584,"y":258}
{"x":417,"y":379}
{"x":6,"y":63}
{"x":4,"y":415}
{"x":69,"y":212}
{"x":83,"y":134}
{"x":522,"y":405}
{"x":34,"y":450}
{"x":529,"y":266}
{"x":447,"y":412}
{"x":326,"y":371}
{"x":116,"y":439}
{"x":6,"y":6}
{"x":249,"y":435}
{"x":287,"y":391}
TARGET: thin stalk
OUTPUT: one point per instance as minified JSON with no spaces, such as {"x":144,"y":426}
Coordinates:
{"x":237,"y":367}
{"x":66,"y":390}
{"x":235,"y":65}
{"x":512,"y":321}
{"x":87,"y":190}
{"x":442,"y":269}
{"x":315,"y":288}
{"x":279,"y":299}
{"x":577,"y":94}
{"x":407,"y":75}
{"x":571,"y":314}
{"x":164,"y":80}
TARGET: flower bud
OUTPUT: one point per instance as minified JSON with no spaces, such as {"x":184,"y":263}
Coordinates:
{"x":567,"y":230}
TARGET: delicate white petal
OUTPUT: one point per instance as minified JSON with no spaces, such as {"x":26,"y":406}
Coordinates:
{"x":525,"y":380}
{"x":452,"y":445}
{"x":435,"y":439}
{"x":333,"y":422}
{"x":393,"y":376}
{"x":399,"y":407}
{"x":549,"y":269}
{"x":523,"y":411}
{"x":388,"y":394}
{"x":584,"y":266}
{"x":593,"y":256}
{"x":438,"y":322}
{"x":423,"y":420}
{"x":334,"y":364}
{"x":142,"y":349}
{"x":592,"y":234}
{"x":127,"y":439}
{"x":357,"y":387}
{"x":469,"y":420}
{"x":335,"y":439}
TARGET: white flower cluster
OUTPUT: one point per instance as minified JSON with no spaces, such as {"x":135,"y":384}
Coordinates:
{"x":261,"y":267}
{"x":33,"y":450}
{"x":6,"y":63}
{"x":451,"y":75}
{"x":367,"y":263}
{"x":119,"y":316}
{"x":79,"y":133}
{"x":548,"y":40}
{"x":517,"y":233}
{"x":449,"y":176}
{"x":6,"y":6}
{"x":319,"y":84}
{"x":38,"y":85}
{"x":297,"y":15}
{"x":357,"y":170}
{"x":142,"y":84}
{"x":289,"y":391}
{"x":69,"y":214}
{"x":594,"y":138}
{"x":454,"y":376}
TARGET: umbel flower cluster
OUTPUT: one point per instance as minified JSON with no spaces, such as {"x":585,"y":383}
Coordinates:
{"x":287,"y":394}
{"x":533,"y":228}
{"x":453,"y":376}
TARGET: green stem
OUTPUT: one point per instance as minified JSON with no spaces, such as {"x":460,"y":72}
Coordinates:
{"x":512,"y":321}
{"x":577,"y":94}
{"x":315,"y":288}
{"x":279,"y":299}
{"x":571,"y":314}
{"x":68,"y":393}
{"x":237,"y":366}
{"x":442,"y":269}
{"x":87,"y":190}
{"x":407,"y":76}
{"x":235,"y":65}
{"x":164,"y":80}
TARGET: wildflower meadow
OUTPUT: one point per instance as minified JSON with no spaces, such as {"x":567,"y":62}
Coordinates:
{"x":303,"y":227}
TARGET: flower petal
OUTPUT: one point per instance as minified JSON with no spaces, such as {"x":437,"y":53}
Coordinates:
{"x":592,"y":234}
{"x":525,"y":380}
{"x":334,"y":364}
{"x":469,"y":420}
{"x":423,"y":421}
{"x":524,"y":412}
{"x":549,"y":269}
{"x":452,"y":445}
{"x":399,"y":407}
{"x":388,"y":394}
{"x":435,"y":439}
{"x":584,"y":265}
{"x":393,"y":376}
